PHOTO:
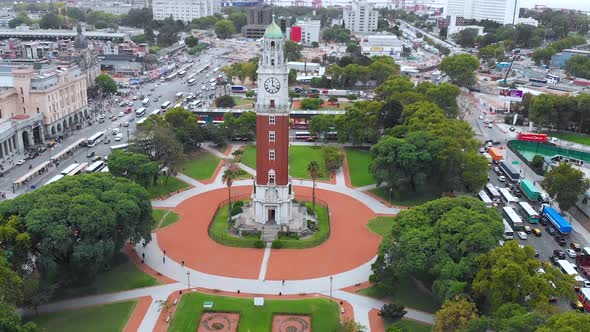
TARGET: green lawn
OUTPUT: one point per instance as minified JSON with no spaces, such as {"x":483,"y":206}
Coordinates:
{"x":300,"y":156}
{"x":358,"y":167}
{"x":123,"y":275}
{"x":243,"y":174}
{"x":405,"y":199}
{"x":410,"y":326}
{"x":201,"y":165}
{"x":219,"y":232}
{"x":572,"y":137}
{"x":381,"y":225}
{"x":241,"y":101}
{"x":324,"y":313}
{"x":249,"y":156}
{"x":170,"y":219}
{"x":408,"y":293}
{"x":109,"y":317}
{"x":165,"y":187}
{"x":157,"y":214}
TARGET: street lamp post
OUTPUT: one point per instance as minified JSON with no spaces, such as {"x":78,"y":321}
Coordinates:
{"x":188,"y":279}
{"x":331,"y":278}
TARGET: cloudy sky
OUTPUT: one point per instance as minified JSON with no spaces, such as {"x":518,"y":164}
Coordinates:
{"x":569,"y":4}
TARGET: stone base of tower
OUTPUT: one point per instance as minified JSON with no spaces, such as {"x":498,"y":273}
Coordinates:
{"x":272,"y":211}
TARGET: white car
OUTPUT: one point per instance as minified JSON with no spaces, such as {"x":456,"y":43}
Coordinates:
{"x":490,"y":125}
{"x":501,"y":178}
{"x":522,"y":235}
{"x":121,"y":114}
{"x":20,"y":162}
{"x":571,"y":253}
{"x":118,"y":137}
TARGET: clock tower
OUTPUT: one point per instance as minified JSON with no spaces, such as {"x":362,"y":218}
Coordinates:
{"x":272,"y":194}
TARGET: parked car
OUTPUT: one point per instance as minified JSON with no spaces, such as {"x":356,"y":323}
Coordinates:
{"x":512,"y":129}
{"x":522,"y":235}
{"x":560,"y":240}
{"x":559,"y":253}
{"x":576,"y":246}
{"x":125,"y":124}
{"x":121,"y":114}
{"x":537,"y":232}
{"x":528,"y":229}
{"x":550,"y":230}
{"x":490,"y":125}
{"x":107,"y":141}
{"x":118,"y":137}
{"x":497,"y":170}
{"x":501,"y":178}
{"x":553,"y":260}
{"x":90,"y":154}
{"x":571,"y":253}
{"x":96,"y":158}
{"x":20,"y":162}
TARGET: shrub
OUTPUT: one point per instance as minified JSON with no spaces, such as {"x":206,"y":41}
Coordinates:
{"x":312,"y":226}
{"x":333,"y":157}
{"x":259,"y":244}
{"x":225,"y":102}
{"x":352,"y":97}
{"x":277,"y":244}
{"x":250,"y":94}
{"x":310,"y":211}
{"x":237,"y":208}
{"x":392,"y":312}
{"x":311,"y":103}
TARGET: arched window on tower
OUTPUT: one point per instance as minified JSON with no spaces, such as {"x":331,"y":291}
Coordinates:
{"x":271,"y":176}
{"x":272,"y":46}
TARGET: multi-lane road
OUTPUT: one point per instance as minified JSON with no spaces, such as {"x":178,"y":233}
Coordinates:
{"x":162,"y":90}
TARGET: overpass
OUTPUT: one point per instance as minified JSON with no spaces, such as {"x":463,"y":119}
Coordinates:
{"x":58,"y":34}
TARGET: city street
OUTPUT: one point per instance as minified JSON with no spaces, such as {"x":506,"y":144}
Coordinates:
{"x":166,"y":90}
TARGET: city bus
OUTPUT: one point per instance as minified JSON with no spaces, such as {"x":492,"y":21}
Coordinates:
{"x":140,"y":121}
{"x":78,"y":169}
{"x":95,"y":139}
{"x":554,"y":79}
{"x":512,"y":218}
{"x":155,"y":112}
{"x":140,"y":112}
{"x":68,"y":169}
{"x":181,"y":73}
{"x":494,"y":194}
{"x":192,"y":81}
{"x":507,"y":197}
{"x":528,"y":212}
{"x":120,"y":147}
{"x":55,"y":178}
{"x":166,"y":105}
{"x":484,"y":197}
{"x":95,"y":167}
{"x":145,"y":102}
{"x":304,"y":135}
{"x":508,"y":232}
{"x":566,"y":267}
{"x":584,"y":297}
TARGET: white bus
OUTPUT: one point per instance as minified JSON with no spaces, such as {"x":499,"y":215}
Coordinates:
{"x":567,"y":267}
{"x":140,"y":121}
{"x":95,"y":139}
{"x":302,"y":135}
{"x":528,"y":212}
{"x":192,"y":81}
{"x":484,"y":197}
{"x":140,"y":111}
{"x":507,"y":197}
{"x":120,"y":147}
{"x":55,"y":178}
{"x":68,"y":169}
{"x":145,"y":102}
{"x":191,"y":76}
{"x":494,"y":194}
{"x":166,"y":105}
{"x":508,"y":232}
{"x":78,"y":169}
{"x":178,"y":95}
{"x":155,"y":112}
{"x":95,"y":167}
{"x":512,"y":218}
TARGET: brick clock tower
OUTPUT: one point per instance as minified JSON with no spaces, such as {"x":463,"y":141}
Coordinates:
{"x":272,"y":194}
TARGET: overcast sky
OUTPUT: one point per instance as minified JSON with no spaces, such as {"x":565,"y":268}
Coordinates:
{"x":569,"y":4}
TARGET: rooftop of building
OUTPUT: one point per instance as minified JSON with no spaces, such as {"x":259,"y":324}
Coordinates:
{"x":571,"y":50}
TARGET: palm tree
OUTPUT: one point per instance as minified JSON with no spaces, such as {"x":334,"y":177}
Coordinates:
{"x":228,"y":178}
{"x":313,"y":168}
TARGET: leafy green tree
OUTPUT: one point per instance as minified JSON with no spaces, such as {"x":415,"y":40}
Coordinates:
{"x":493,"y":52}
{"x":392,"y":312}
{"x":137,"y":18}
{"x":322,"y":124}
{"x":292,"y":51}
{"x":16,"y":241}
{"x":359,"y":124}
{"x":239,"y":20}
{"x":10,"y":320}
{"x":191,"y":41}
{"x":247,"y":125}
{"x":579,"y":66}
{"x":10,"y":282}
{"x":566,"y":322}
{"x":225,"y":102}
{"x":134,"y":166}
{"x":454,"y":315}
{"x":460,"y":69}
{"x":445,"y":96}
{"x":186,"y":128}
{"x":51,"y":20}
{"x":509,"y":265}
{"x":292,"y":76}
{"x":224,"y":29}
{"x":565,"y":184}
{"x":390,"y":113}
{"x":465,"y":37}
{"x":205,"y":23}
{"x":333,"y":157}
{"x":158,"y":142}
{"x":313,"y":168}
{"x":537,"y":163}
{"x":336,"y":34}
{"x":311,"y":103}
{"x":543,"y":55}
{"x":106,"y":84}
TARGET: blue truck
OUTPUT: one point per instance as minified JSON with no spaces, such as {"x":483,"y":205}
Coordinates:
{"x":557,"y":220}
{"x":510,"y":172}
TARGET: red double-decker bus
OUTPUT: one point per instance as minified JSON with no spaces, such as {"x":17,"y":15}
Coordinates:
{"x":531,"y":137}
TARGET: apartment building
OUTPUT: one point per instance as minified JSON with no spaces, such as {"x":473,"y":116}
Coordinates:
{"x":360,"y":17}
{"x":184,"y":10}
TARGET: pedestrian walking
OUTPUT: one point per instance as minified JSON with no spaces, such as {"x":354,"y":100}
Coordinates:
{"x":143,"y":255}
{"x":283,"y":282}
{"x":164,"y":259}
{"x":164,"y":252}
{"x":182,"y":262}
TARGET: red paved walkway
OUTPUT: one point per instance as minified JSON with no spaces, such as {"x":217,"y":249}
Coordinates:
{"x":350,"y":244}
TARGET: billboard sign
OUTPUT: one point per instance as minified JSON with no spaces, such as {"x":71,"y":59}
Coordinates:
{"x":511,"y":94}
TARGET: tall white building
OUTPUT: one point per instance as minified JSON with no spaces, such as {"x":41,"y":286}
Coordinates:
{"x":310,"y":31}
{"x":501,"y":11}
{"x":185,"y":10}
{"x":360,"y":17}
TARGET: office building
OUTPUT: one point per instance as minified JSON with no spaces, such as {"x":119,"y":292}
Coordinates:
{"x":184,"y":10}
{"x":308,"y":33}
{"x":360,"y":17}
{"x":258,"y":19}
{"x":501,"y":11}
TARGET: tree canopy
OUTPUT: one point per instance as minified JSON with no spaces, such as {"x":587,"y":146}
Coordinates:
{"x":460,"y":69}
{"x":134,"y":166}
{"x":106,"y":84}
{"x":565,"y":184}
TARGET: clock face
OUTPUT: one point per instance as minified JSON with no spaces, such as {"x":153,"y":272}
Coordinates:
{"x":272,"y":85}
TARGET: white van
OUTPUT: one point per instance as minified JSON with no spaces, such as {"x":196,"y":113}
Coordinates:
{"x":116,"y":131}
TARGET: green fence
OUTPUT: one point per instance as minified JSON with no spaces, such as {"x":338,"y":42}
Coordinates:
{"x":529,"y":149}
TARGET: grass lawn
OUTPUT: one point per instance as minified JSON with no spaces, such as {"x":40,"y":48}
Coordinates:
{"x":201,"y":165}
{"x":157,"y":214}
{"x":572,"y":137}
{"x":407,"y":293}
{"x":241,"y":102}
{"x":249,"y":156}
{"x":219,"y":232}
{"x":410,"y":326}
{"x":381,"y":225}
{"x":123,"y":275}
{"x":243,"y":174}
{"x":170,"y":219}
{"x":405,"y":199}
{"x":358,"y":167}
{"x":109,"y":317}
{"x":300,"y":156}
{"x":162,"y":187}
{"x":324,"y":313}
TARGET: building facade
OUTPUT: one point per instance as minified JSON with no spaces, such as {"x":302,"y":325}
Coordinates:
{"x":272,"y":194}
{"x":560,"y":59}
{"x":310,"y":31}
{"x":360,"y":17}
{"x":258,"y":19}
{"x":501,"y":11}
{"x":382,"y":44}
{"x":184,"y":10}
